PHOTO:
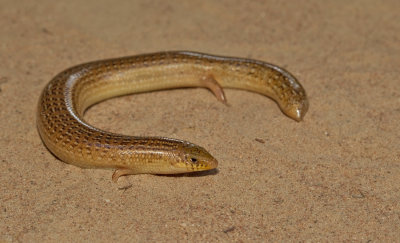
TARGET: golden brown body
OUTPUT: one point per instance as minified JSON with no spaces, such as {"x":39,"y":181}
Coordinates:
{"x":70,"y":93}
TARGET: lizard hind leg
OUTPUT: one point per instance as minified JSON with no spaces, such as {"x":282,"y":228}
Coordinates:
{"x":210,"y":83}
{"x":121,"y":172}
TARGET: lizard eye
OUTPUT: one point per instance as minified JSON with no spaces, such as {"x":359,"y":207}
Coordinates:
{"x":193,"y":160}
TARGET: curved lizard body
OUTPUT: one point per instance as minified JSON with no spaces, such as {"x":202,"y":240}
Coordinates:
{"x":66,"y":97}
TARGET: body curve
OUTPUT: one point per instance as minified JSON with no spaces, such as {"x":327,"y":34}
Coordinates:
{"x":66,"y":97}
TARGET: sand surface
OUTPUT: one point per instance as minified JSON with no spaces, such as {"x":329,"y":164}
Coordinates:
{"x":335,"y":176}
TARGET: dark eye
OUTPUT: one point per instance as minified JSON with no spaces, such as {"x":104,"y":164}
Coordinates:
{"x":194,"y":160}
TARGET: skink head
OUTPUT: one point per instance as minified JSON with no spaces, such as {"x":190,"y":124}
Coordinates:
{"x":196,"y":158}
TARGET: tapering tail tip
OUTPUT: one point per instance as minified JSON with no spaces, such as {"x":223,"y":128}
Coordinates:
{"x":297,"y":112}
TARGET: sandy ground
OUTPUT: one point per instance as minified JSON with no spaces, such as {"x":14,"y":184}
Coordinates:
{"x":333,"y":177}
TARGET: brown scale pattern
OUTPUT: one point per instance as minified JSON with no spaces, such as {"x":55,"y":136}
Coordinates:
{"x":65,"y":98}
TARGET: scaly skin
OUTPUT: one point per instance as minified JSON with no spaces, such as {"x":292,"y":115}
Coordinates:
{"x":70,"y":93}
